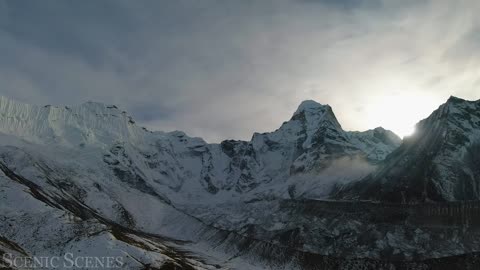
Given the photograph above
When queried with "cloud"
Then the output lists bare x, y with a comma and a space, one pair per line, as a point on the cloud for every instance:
319, 186
224, 69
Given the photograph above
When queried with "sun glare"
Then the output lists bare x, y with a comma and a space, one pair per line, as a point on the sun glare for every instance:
400, 112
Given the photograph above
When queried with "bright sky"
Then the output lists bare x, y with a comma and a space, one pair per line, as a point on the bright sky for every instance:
225, 69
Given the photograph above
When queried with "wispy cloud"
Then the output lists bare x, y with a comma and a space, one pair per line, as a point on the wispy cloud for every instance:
224, 69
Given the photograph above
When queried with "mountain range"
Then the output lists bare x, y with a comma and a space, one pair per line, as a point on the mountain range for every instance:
88, 180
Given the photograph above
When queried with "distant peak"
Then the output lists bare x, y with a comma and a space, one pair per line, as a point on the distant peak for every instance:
453, 99
309, 105
457, 100
454, 104
383, 130
379, 129
314, 113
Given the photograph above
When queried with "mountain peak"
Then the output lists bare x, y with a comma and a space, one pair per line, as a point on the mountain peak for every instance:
454, 108
379, 129
313, 113
89, 122
456, 101
309, 105
453, 99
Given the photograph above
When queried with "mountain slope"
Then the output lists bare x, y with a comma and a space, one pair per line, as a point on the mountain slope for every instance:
92, 166
87, 179
440, 162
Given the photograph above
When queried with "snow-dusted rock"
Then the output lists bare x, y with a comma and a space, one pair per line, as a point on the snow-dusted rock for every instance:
238, 204
440, 162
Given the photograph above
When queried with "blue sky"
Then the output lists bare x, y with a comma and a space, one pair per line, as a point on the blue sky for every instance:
225, 69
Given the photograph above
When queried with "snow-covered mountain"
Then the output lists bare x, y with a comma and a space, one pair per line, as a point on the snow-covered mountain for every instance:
87, 179
440, 162
309, 143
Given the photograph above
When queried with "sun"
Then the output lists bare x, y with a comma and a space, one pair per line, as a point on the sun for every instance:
401, 111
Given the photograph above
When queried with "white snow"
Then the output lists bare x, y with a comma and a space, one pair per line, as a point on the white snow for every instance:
96, 154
